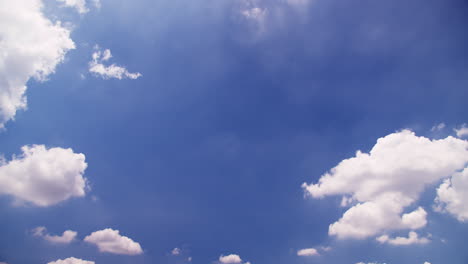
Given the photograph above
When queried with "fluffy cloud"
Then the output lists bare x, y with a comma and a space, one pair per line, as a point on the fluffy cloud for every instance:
109, 240
384, 182
230, 259
452, 196
31, 47
412, 239
67, 237
462, 131
71, 261
307, 252
42, 176
97, 67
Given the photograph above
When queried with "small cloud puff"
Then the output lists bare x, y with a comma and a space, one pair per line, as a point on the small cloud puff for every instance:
176, 251
110, 241
67, 237
307, 252
231, 259
71, 260
438, 127
97, 67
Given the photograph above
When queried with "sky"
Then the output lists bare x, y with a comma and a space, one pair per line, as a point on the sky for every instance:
233, 132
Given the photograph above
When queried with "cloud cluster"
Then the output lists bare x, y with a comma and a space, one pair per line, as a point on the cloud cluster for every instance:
381, 184
412, 239
109, 240
32, 46
67, 237
42, 176
71, 261
97, 67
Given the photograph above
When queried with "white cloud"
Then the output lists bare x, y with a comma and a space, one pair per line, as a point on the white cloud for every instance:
31, 47
412, 239
462, 131
67, 237
438, 127
97, 67
307, 252
79, 5
71, 261
175, 251
427, 262
42, 176
452, 196
230, 259
109, 240
388, 179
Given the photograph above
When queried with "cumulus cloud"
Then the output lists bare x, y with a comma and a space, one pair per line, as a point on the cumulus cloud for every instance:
67, 237
79, 5
230, 259
452, 196
31, 47
42, 176
306, 252
462, 131
109, 240
387, 180
97, 67
412, 239
427, 262
71, 260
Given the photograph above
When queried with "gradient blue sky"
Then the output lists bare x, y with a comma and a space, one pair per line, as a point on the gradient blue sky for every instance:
207, 151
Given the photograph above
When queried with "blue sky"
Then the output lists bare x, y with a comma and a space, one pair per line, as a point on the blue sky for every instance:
239, 103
